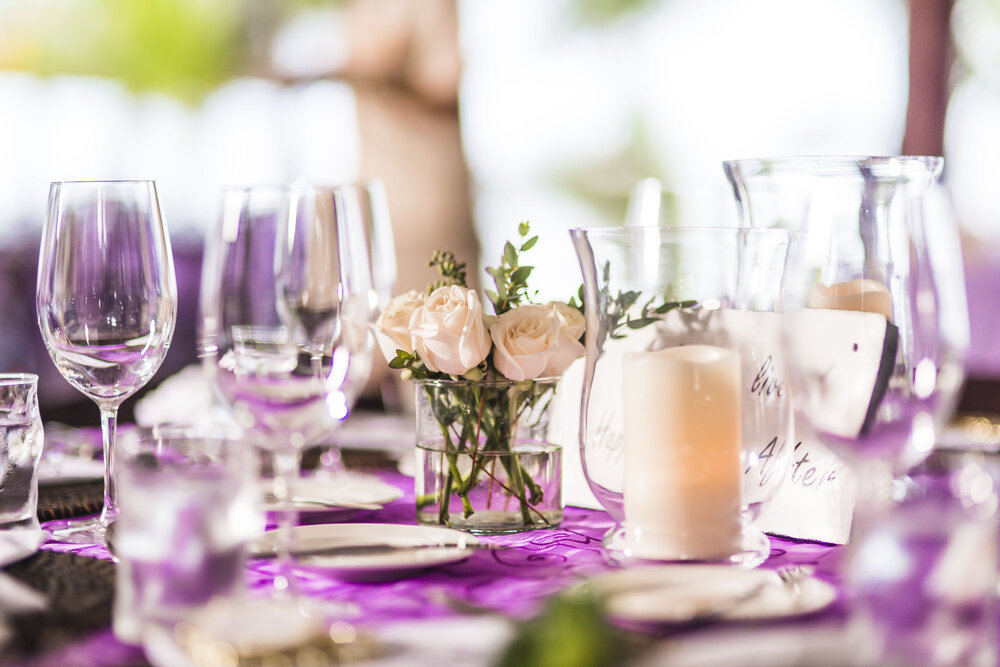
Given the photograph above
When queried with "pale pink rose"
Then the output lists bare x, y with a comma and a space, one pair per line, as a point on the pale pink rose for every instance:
525, 337
571, 327
392, 329
448, 330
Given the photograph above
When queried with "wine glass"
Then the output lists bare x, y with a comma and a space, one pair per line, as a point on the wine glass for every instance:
367, 201
877, 325
374, 206
107, 304
284, 310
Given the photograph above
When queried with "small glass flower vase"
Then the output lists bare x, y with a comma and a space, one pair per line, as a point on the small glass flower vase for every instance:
484, 461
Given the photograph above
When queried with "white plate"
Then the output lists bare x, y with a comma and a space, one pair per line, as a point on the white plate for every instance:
373, 567
683, 593
69, 470
340, 491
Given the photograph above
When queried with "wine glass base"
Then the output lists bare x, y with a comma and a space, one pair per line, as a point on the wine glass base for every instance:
79, 531
755, 549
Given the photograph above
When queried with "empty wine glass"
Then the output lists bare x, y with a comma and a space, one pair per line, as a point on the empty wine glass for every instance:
284, 306
378, 236
107, 304
366, 205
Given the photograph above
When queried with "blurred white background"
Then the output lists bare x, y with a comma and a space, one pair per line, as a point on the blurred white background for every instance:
480, 115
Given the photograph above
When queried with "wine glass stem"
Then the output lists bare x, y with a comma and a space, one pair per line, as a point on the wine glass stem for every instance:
109, 428
286, 472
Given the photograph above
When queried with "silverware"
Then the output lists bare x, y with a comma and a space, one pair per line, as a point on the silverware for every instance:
789, 577
381, 548
728, 606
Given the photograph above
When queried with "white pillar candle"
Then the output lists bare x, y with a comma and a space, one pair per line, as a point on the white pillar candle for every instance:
682, 453
862, 294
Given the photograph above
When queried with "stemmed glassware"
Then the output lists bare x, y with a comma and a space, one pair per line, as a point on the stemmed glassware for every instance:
107, 304
284, 316
374, 207
368, 203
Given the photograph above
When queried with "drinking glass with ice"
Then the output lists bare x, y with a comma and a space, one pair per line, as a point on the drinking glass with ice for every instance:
190, 508
21, 442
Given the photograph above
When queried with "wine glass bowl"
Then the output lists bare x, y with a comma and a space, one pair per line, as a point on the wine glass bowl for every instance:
106, 303
265, 344
369, 201
366, 204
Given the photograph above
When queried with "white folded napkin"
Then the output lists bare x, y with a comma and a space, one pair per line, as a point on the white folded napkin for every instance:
16, 544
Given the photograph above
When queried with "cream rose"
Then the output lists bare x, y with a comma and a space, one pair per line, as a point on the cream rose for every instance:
530, 342
523, 337
392, 329
448, 330
571, 327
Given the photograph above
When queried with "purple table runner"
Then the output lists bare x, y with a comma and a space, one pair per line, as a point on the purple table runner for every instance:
514, 581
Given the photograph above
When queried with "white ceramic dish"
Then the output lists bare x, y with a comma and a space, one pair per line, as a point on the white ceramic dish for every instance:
673, 594
69, 470
339, 492
378, 566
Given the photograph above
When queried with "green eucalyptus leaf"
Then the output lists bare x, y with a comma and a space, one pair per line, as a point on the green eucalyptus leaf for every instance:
640, 322
628, 299
510, 254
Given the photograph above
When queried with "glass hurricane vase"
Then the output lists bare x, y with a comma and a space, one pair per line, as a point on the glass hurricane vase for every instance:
485, 463
685, 425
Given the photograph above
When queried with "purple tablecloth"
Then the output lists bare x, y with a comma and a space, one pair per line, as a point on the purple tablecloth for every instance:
512, 581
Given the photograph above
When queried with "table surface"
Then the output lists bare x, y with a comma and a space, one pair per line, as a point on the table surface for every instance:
463, 613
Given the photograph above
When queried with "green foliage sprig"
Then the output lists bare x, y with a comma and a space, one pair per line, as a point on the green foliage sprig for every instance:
619, 317
452, 271
510, 278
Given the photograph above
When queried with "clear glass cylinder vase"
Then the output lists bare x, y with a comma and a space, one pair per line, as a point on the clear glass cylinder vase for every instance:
485, 463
